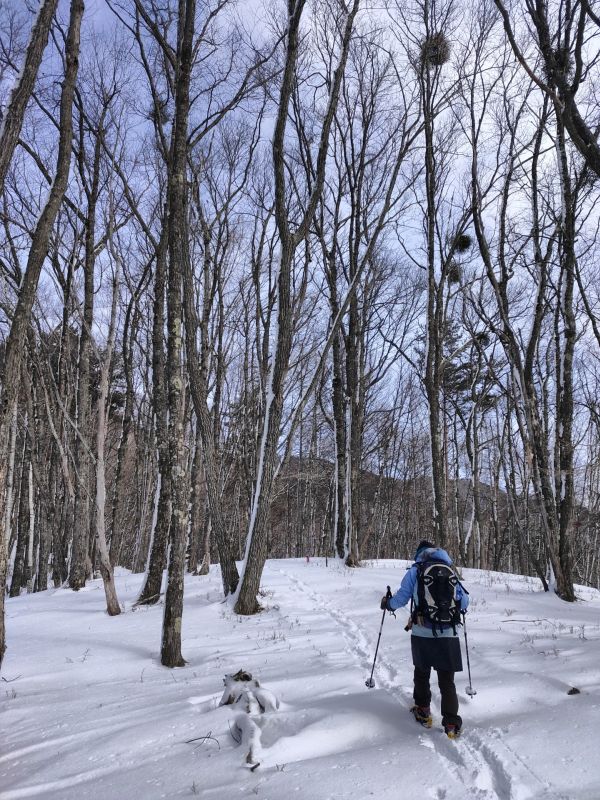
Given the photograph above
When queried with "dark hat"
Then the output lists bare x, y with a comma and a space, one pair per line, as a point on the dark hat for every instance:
423, 545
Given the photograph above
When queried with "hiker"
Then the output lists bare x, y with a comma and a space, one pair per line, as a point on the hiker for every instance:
437, 601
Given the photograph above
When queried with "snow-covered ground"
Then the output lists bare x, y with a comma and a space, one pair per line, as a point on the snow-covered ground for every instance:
88, 712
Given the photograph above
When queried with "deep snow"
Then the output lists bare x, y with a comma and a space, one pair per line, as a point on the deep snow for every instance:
88, 712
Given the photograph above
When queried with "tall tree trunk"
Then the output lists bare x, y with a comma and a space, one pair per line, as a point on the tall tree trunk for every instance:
37, 255
157, 558
522, 365
355, 390
208, 425
434, 321
83, 505
106, 567
565, 319
116, 520
32, 534
178, 255
341, 512
256, 540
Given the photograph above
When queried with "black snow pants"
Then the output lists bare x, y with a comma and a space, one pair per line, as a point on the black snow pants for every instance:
422, 693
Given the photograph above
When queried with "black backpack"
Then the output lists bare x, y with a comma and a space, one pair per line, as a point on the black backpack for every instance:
437, 603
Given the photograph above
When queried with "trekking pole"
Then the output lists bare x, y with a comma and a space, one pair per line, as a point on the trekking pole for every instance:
370, 683
469, 690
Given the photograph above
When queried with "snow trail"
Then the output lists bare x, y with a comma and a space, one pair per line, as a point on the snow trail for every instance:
494, 771
89, 713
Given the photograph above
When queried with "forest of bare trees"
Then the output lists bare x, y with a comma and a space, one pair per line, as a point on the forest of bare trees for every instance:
296, 279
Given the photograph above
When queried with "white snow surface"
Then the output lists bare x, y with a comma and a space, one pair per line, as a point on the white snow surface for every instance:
87, 711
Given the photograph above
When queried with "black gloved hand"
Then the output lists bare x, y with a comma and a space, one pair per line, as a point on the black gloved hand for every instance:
384, 603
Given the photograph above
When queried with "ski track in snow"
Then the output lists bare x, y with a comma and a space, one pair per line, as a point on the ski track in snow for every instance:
486, 764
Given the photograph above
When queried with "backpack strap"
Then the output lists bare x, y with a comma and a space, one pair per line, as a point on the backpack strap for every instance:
415, 614
421, 566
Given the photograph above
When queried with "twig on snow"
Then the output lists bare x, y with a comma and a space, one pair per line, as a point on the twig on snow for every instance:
236, 739
206, 738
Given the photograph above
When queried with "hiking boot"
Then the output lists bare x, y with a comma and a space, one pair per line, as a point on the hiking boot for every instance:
452, 731
423, 715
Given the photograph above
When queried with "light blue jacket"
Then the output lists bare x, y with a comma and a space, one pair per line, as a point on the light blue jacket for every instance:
408, 589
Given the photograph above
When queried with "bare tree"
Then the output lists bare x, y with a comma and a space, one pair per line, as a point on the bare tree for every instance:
521, 352
106, 568
565, 61
289, 241
364, 196
12, 118
177, 200
36, 258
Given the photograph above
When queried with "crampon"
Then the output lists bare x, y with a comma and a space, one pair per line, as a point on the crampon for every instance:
423, 715
452, 731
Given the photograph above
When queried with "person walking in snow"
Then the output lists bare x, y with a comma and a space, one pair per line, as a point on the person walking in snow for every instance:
437, 600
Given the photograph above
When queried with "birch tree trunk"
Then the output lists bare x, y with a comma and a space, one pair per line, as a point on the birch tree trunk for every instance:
106, 568
83, 505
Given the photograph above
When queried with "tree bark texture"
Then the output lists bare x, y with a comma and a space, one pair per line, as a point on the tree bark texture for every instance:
178, 255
